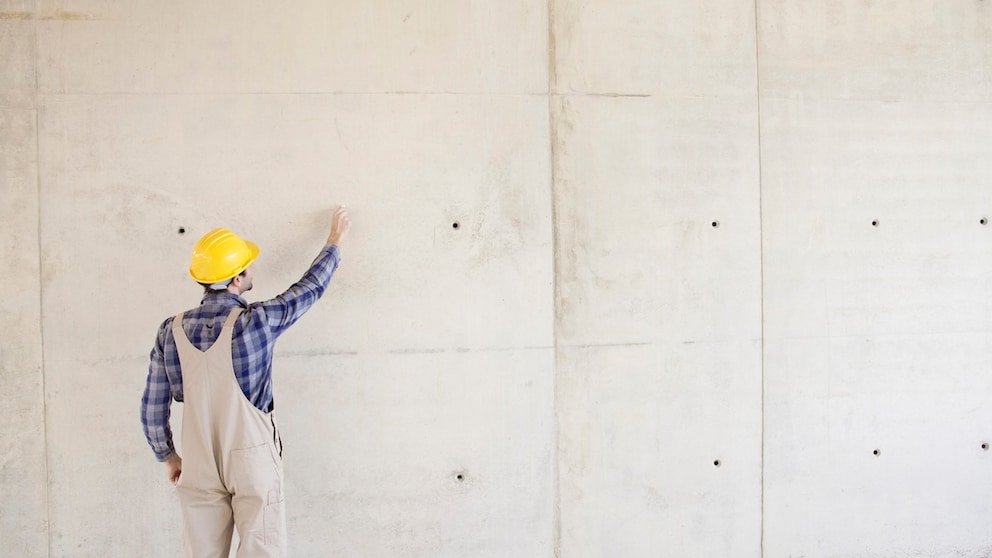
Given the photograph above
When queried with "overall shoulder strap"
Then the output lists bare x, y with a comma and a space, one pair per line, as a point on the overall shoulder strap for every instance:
228, 330
177, 330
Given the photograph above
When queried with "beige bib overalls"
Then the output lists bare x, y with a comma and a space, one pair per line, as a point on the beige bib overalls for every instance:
232, 468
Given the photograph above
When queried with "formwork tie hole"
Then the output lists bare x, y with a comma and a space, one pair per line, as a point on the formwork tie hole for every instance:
182, 230
876, 453
455, 225
985, 446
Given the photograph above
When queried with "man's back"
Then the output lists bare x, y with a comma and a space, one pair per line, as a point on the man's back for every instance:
254, 336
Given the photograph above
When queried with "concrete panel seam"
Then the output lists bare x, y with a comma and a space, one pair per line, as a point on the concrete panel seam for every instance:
34, 103
427, 351
41, 322
632, 95
877, 100
612, 94
552, 50
70, 94
57, 15
555, 293
41, 289
761, 271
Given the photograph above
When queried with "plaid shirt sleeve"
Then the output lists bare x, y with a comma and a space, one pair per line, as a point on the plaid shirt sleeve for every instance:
285, 309
156, 401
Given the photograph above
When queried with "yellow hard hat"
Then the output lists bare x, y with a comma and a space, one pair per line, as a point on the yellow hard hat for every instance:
220, 255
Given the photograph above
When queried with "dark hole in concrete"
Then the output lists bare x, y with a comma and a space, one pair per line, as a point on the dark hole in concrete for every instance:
715, 224
455, 225
874, 223
182, 230
984, 221
716, 463
985, 446
460, 477
876, 452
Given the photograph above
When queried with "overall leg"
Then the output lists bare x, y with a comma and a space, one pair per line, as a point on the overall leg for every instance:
258, 503
208, 523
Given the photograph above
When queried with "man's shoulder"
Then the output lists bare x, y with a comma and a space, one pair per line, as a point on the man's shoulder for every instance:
166, 324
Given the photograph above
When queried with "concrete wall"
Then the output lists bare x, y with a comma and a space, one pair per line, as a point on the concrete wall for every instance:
711, 257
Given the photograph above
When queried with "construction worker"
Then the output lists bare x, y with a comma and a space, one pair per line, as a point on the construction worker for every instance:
217, 359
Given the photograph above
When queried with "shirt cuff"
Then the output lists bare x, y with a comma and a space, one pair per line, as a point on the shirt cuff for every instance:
166, 457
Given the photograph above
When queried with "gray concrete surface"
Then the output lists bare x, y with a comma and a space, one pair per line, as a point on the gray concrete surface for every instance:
710, 257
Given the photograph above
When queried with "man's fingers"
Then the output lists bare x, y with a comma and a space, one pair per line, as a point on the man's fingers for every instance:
341, 220
340, 223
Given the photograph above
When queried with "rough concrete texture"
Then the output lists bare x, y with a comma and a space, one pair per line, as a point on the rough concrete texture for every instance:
876, 336
23, 489
710, 256
876, 190
659, 326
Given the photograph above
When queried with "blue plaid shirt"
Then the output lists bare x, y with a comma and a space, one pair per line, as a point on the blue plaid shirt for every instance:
255, 334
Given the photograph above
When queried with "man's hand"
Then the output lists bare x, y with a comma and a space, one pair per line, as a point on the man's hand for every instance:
174, 468
340, 225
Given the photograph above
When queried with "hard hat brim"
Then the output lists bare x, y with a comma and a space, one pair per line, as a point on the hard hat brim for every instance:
254, 252
253, 248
